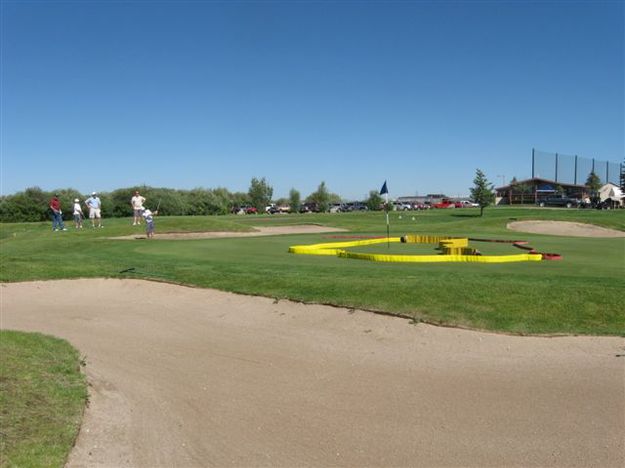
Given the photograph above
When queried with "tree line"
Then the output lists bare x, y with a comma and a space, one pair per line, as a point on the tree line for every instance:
32, 204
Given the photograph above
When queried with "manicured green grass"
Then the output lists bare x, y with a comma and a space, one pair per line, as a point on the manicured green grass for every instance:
42, 396
580, 294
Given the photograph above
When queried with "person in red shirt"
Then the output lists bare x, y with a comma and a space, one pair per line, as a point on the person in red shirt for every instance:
57, 214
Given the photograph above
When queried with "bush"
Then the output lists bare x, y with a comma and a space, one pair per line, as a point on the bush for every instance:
32, 205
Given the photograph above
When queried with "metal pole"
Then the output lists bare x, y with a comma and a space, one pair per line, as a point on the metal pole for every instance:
532, 163
607, 172
388, 242
556, 167
575, 178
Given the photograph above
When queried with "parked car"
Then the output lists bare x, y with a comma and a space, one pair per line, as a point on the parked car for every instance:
559, 200
309, 208
469, 204
243, 210
444, 204
402, 206
336, 207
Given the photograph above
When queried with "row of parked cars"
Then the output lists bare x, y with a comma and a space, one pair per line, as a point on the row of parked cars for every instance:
572, 202
444, 203
354, 206
274, 209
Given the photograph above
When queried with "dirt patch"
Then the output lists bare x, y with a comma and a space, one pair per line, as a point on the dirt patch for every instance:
258, 231
193, 377
564, 228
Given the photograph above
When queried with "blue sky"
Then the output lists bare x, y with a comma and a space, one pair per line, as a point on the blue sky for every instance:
100, 95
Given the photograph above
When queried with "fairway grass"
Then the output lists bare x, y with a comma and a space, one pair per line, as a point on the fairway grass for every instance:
42, 397
580, 294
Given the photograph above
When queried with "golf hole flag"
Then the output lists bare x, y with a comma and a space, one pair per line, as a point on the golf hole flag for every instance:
384, 189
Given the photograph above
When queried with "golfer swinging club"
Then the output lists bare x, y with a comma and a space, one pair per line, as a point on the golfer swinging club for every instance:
149, 221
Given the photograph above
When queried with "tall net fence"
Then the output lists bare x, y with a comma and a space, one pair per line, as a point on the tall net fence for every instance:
573, 169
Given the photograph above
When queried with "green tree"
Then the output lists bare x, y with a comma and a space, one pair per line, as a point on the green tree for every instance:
482, 191
374, 201
321, 198
201, 201
238, 199
295, 200
334, 198
593, 182
29, 205
260, 194
221, 197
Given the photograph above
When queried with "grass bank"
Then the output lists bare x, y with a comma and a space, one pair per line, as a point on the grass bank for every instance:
42, 397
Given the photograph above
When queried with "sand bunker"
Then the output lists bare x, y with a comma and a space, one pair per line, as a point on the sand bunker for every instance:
194, 377
258, 231
564, 228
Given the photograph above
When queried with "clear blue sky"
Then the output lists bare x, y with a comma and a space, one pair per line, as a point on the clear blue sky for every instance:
99, 95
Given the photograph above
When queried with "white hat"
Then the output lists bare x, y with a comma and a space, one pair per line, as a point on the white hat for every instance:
93, 193
76, 200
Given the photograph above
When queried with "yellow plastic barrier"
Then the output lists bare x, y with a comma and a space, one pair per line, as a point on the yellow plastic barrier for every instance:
332, 248
454, 249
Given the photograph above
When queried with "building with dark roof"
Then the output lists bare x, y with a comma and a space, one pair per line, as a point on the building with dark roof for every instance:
535, 189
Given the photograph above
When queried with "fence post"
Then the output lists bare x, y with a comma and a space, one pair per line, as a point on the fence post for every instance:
556, 167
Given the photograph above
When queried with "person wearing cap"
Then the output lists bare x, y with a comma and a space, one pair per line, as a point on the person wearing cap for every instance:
137, 207
95, 214
78, 214
149, 221
57, 214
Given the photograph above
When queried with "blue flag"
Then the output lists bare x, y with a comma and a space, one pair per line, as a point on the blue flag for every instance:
384, 189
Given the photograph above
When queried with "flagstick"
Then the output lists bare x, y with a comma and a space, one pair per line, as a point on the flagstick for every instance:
388, 242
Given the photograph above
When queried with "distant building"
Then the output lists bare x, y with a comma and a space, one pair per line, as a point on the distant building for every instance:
612, 195
533, 190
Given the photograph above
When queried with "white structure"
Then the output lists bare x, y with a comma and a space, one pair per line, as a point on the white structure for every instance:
612, 192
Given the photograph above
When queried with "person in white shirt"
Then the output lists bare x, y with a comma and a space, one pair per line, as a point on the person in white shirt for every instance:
95, 214
78, 214
137, 207
149, 222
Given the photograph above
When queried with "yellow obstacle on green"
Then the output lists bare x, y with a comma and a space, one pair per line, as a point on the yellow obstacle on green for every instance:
453, 249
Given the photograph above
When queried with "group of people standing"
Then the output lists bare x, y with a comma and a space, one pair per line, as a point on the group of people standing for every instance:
95, 212
94, 204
